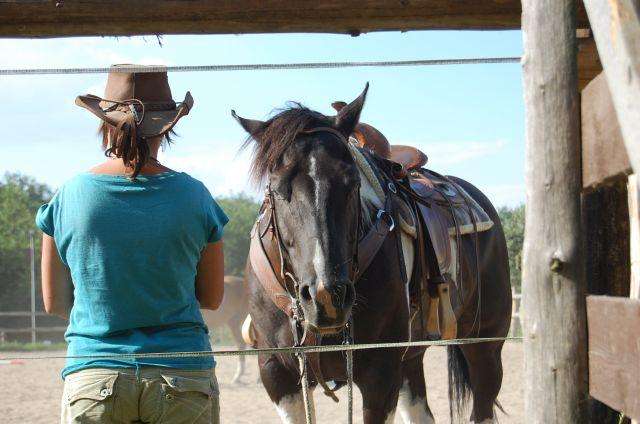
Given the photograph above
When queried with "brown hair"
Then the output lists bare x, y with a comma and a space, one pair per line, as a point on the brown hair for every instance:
128, 145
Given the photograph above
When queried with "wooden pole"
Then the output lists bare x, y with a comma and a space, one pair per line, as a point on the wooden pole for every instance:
554, 321
633, 193
33, 285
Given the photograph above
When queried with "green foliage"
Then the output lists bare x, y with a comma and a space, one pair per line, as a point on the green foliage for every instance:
31, 347
513, 224
20, 197
242, 211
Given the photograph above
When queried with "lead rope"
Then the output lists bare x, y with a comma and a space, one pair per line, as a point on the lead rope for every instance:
348, 339
302, 361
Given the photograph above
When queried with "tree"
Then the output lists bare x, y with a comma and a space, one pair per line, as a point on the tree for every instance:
20, 198
242, 211
513, 225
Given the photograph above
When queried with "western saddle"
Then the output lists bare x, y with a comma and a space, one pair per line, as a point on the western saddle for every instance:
444, 212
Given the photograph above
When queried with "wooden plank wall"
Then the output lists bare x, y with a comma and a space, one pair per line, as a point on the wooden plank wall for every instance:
614, 352
589, 65
604, 157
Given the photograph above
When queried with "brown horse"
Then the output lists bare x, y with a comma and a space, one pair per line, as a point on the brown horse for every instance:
320, 208
232, 313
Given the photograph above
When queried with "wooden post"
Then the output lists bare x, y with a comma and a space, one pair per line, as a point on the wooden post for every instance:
33, 285
554, 318
633, 193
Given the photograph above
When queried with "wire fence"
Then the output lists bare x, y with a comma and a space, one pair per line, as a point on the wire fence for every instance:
262, 66
270, 351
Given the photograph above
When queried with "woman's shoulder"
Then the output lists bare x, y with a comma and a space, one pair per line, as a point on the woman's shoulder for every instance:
71, 183
195, 183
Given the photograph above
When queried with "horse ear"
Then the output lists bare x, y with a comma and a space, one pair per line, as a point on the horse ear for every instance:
349, 115
338, 105
252, 126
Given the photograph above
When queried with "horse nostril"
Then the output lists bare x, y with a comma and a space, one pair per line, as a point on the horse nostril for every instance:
305, 293
343, 295
338, 296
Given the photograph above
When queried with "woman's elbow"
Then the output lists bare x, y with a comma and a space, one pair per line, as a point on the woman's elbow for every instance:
213, 300
211, 304
49, 308
53, 307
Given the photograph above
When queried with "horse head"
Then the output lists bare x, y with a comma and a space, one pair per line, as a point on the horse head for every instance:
303, 157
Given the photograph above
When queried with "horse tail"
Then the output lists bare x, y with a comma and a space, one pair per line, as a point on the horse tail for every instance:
459, 382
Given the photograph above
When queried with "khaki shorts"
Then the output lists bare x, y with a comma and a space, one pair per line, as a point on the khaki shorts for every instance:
150, 395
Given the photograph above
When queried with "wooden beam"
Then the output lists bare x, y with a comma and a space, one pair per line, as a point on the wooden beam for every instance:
604, 157
555, 351
614, 352
47, 18
616, 29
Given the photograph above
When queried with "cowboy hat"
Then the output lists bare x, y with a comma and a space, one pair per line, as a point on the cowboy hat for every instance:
140, 97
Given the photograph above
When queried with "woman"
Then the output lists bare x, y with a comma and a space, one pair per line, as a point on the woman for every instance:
143, 247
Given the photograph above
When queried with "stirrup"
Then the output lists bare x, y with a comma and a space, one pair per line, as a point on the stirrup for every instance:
433, 326
446, 318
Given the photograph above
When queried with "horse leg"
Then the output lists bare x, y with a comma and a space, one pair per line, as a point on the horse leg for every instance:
485, 378
379, 380
282, 387
412, 401
235, 325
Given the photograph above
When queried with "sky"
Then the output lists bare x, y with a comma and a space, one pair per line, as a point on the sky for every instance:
469, 119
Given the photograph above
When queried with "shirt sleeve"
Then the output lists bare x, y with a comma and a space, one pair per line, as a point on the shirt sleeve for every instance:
216, 218
45, 217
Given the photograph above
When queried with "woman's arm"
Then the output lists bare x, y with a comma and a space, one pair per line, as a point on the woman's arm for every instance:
210, 277
57, 290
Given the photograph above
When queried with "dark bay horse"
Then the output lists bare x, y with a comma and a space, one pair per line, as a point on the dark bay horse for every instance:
321, 203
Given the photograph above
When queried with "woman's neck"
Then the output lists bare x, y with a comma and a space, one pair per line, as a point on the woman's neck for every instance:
116, 166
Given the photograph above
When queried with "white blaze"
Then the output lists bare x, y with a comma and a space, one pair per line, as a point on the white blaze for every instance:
319, 260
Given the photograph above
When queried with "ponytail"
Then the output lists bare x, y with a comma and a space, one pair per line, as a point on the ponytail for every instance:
126, 144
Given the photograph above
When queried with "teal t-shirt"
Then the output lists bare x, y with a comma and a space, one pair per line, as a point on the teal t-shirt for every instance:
132, 248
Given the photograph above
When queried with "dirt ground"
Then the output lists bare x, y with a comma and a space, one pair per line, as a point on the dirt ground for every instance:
30, 391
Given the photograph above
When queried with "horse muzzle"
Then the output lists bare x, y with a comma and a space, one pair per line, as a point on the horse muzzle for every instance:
327, 307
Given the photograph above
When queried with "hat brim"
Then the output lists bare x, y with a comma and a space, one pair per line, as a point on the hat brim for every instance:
154, 123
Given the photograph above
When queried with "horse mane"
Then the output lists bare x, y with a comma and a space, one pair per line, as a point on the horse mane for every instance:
277, 134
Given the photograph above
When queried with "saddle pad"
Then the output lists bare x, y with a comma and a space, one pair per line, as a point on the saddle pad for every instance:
371, 192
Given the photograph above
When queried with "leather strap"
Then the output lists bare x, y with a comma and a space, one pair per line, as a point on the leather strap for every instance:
371, 243
266, 275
